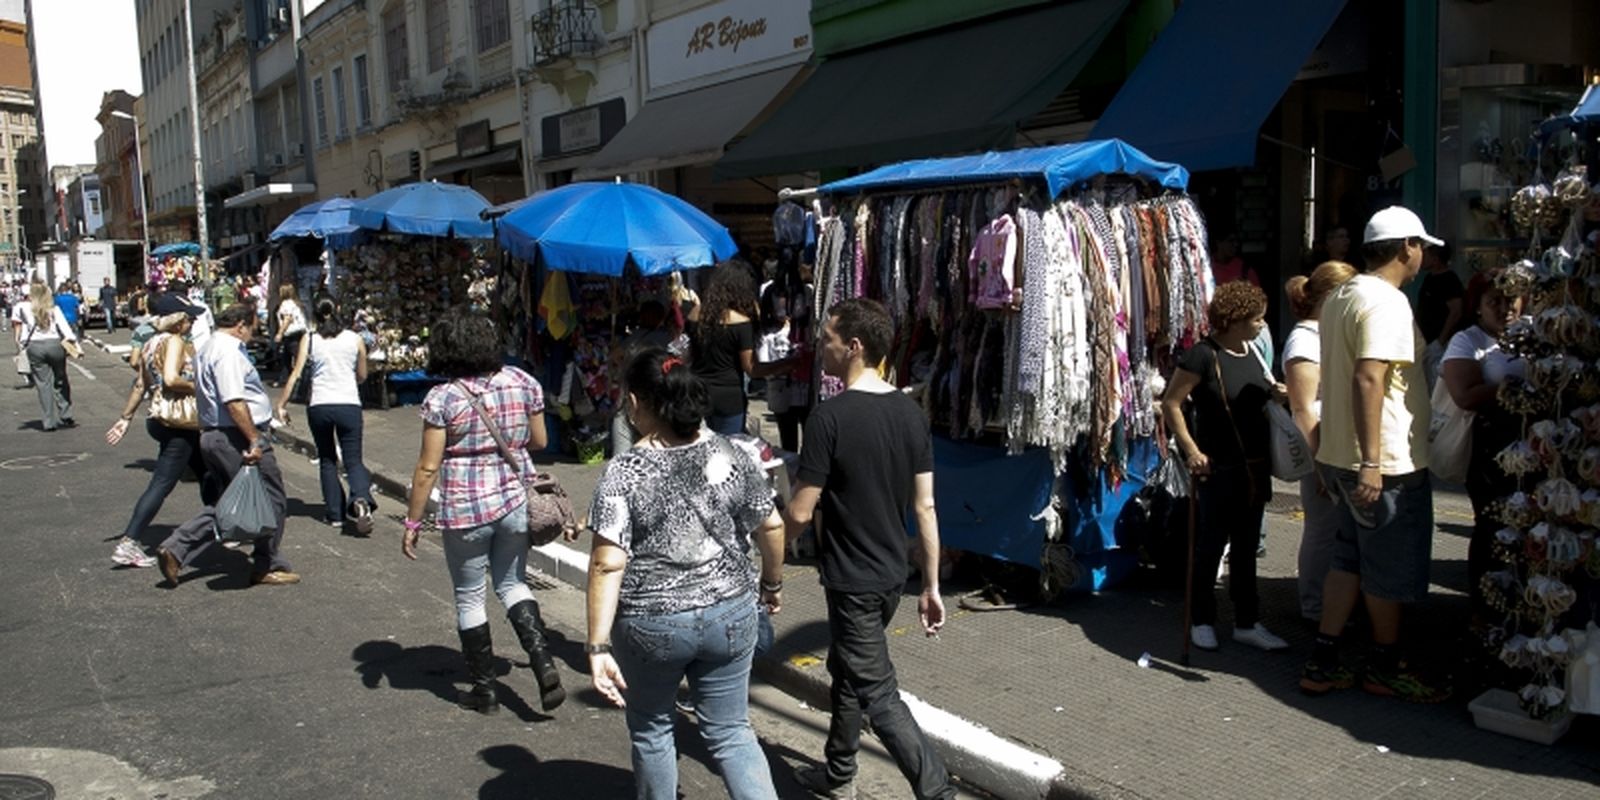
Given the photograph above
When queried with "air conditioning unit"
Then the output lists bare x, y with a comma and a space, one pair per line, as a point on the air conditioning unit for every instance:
298, 150
249, 179
276, 160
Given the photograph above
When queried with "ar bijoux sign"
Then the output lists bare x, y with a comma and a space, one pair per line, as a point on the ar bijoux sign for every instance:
726, 36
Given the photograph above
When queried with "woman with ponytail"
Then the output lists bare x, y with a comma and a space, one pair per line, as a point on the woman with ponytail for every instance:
1302, 374
671, 585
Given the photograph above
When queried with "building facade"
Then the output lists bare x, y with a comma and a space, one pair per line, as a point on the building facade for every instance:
117, 165
23, 200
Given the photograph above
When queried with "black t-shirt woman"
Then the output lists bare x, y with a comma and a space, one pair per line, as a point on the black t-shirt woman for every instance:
1226, 443
722, 339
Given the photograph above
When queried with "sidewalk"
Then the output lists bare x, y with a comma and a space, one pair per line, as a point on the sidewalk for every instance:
1050, 701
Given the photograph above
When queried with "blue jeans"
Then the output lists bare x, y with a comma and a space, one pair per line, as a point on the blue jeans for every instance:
726, 424
713, 647
497, 551
341, 423
180, 450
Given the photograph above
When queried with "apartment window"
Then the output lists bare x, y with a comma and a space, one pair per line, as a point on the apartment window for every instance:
492, 22
340, 116
437, 19
397, 67
322, 110
363, 94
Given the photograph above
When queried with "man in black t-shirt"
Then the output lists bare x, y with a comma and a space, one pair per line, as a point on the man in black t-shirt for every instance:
1438, 307
867, 459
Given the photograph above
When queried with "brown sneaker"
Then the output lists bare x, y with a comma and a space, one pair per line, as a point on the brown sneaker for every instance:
277, 577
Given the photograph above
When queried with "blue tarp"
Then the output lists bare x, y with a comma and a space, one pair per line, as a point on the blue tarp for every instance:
1586, 112
986, 499
425, 209
1059, 166
1199, 96
325, 219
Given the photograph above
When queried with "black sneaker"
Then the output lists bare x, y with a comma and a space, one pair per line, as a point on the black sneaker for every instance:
815, 780
1316, 679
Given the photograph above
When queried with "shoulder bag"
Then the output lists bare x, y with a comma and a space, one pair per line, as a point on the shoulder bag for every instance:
172, 409
549, 508
1449, 436
20, 361
1292, 458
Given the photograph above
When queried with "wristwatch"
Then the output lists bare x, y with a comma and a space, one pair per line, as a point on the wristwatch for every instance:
597, 649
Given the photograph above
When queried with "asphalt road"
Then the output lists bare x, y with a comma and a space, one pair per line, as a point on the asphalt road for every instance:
342, 686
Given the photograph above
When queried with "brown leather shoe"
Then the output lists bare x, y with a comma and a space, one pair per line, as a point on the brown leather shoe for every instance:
169, 565
277, 577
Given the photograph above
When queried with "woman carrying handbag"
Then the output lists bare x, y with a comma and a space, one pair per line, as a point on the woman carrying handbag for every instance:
483, 511
1227, 451
48, 339
164, 371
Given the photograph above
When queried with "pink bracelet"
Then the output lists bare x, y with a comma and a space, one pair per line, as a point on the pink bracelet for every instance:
412, 525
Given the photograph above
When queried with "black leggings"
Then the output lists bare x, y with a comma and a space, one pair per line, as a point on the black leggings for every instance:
179, 450
1229, 516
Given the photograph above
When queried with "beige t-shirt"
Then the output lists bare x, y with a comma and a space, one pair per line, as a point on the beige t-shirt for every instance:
1367, 318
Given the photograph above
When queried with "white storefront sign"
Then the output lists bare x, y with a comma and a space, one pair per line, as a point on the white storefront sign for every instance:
726, 36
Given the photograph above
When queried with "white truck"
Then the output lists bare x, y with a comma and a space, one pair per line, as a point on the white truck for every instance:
92, 262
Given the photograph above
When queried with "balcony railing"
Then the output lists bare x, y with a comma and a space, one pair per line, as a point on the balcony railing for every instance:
567, 28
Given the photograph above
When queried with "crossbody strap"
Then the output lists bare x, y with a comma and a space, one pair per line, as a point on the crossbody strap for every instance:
1222, 386
494, 430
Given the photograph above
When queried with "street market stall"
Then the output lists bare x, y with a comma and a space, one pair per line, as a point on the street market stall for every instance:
178, 261
1039, 297
417, 254
589, 252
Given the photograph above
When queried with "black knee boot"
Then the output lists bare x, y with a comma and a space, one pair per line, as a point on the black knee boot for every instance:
525, 619
478, 649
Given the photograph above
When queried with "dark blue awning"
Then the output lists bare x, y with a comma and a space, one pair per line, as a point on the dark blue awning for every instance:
1059, 166
1199, 96
1585, 113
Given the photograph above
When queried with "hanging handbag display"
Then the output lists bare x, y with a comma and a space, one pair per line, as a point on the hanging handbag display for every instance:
549, 508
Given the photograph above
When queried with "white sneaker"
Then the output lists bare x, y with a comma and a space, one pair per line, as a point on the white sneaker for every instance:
129, 554
1203, 637
1260, 637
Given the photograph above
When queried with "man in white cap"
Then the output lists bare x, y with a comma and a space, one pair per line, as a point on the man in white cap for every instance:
1373, 456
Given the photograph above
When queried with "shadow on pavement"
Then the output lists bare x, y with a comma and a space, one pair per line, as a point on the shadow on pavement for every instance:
525, 775
435, 669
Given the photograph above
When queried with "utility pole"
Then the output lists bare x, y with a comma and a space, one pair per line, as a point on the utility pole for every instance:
194, 131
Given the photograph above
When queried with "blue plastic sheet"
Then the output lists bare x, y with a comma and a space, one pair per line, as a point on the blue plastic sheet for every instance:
425, 209
176, 249
1586, 112
986, 499
598, 227
1059, 166
325, 219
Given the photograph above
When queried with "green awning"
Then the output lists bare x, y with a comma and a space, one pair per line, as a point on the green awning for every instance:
958, 90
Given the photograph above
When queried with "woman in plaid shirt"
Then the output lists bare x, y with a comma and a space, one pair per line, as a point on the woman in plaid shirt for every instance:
482, 513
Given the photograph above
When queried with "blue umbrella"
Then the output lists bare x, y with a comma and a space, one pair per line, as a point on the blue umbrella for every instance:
597, 227
425, 209
324, 219
177, 249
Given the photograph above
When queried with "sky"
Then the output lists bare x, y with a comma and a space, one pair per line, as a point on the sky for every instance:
86, 48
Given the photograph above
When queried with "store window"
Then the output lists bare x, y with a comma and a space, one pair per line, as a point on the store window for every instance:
363, 93
492, 21
397, 67
437, 20
340, 115
321, 110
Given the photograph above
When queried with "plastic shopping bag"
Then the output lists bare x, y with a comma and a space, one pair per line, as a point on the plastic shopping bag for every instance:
245, 513
1449, 437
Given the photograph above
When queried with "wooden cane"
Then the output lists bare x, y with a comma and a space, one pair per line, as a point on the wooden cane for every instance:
1188, 579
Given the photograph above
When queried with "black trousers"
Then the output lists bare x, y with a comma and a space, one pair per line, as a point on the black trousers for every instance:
864, 688
180, 450
1230, 516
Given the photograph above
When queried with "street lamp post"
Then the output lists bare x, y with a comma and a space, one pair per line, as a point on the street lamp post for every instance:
138, 166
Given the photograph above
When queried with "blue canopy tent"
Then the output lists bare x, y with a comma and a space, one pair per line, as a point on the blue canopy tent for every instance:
992, 501
599, 227
328, 220
425, 209
1058, 166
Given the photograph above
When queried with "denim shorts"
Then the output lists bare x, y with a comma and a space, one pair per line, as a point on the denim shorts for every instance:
1389, 543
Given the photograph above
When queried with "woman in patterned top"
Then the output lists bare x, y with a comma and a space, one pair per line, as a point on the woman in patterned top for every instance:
482, 512
671, 577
